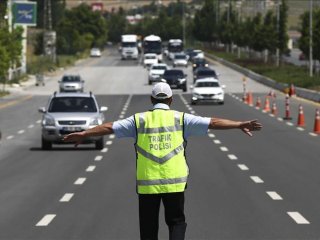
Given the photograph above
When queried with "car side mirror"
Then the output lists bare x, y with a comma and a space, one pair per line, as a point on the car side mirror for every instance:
42, 110
103, 109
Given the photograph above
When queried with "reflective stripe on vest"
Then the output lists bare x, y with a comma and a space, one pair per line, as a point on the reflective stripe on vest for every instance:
161, 164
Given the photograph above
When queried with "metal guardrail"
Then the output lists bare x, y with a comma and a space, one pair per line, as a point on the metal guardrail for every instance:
300, 92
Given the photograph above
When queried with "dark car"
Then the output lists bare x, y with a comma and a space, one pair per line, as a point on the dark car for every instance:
199, 62
204, 72
176, 79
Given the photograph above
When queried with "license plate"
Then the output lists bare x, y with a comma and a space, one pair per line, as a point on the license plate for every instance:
72, 129
173, 85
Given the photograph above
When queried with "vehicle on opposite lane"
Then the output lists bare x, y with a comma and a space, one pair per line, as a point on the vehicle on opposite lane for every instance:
70, 112
71, 83
207, 90
156, 71
204, 72
176, 78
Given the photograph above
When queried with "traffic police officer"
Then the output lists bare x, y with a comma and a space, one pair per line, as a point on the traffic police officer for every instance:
162, 170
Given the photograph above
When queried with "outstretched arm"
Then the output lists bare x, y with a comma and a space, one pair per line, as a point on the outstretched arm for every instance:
245, 126
100, 130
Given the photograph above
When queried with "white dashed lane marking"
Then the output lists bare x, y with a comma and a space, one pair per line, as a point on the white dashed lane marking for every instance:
211, 135
10, 137
112, 136
98, 158
104, 150
31, 126
67, 197
274, 195
108, 142
224, 149
80, 181
289, 124
90, 168
38, 121
243, 167
232, 157
298, 218
256, 179
21, 131
46, 220
216, 141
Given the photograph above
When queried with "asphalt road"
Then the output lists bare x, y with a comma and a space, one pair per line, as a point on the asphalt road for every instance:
264, 187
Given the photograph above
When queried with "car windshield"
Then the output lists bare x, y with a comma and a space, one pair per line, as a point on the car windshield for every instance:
159, 67
180, 56
71, 79
207, 84
72, 104
199, 61
173, 73
150, 57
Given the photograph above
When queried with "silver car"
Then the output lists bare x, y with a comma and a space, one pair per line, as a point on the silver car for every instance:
71, 83
67, 113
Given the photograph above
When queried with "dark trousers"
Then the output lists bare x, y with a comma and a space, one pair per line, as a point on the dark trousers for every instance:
149, 206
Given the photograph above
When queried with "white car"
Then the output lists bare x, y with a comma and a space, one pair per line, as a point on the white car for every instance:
150, 59
156, 71
207, 90
95, 52
180, 59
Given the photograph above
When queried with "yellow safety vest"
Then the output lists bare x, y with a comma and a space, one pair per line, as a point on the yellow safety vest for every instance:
160, 148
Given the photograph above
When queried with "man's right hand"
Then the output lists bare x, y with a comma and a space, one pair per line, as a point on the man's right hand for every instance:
76, 137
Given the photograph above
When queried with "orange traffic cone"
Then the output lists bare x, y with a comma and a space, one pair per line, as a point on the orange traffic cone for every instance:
274, 110
301, 122
266, 105
292, 91
272, 94
249, 99
258, 103
287, 116
316, 128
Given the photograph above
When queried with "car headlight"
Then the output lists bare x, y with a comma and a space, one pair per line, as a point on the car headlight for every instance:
182, 80
48, 121
95, 121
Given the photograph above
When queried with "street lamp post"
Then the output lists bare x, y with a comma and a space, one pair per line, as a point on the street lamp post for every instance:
278, 33
183, 24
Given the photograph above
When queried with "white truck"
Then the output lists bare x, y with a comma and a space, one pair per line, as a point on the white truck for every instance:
129, 46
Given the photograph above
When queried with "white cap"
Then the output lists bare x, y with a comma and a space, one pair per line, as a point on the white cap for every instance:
161, 91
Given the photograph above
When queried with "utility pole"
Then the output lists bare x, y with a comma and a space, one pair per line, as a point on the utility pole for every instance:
310, 38
278, 34
184, 24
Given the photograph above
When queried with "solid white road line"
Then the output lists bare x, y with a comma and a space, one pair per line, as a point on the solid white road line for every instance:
91, 168
46, 220
232, 157
104, 150
224, 149
80, 181
31, 126
243, 167
109, 142
98, 158
10, 137
216, 141
274, 195
67, 197
298, 218
256, 179
112, 136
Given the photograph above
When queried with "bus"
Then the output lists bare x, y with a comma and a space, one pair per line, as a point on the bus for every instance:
153, 44
174, 46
